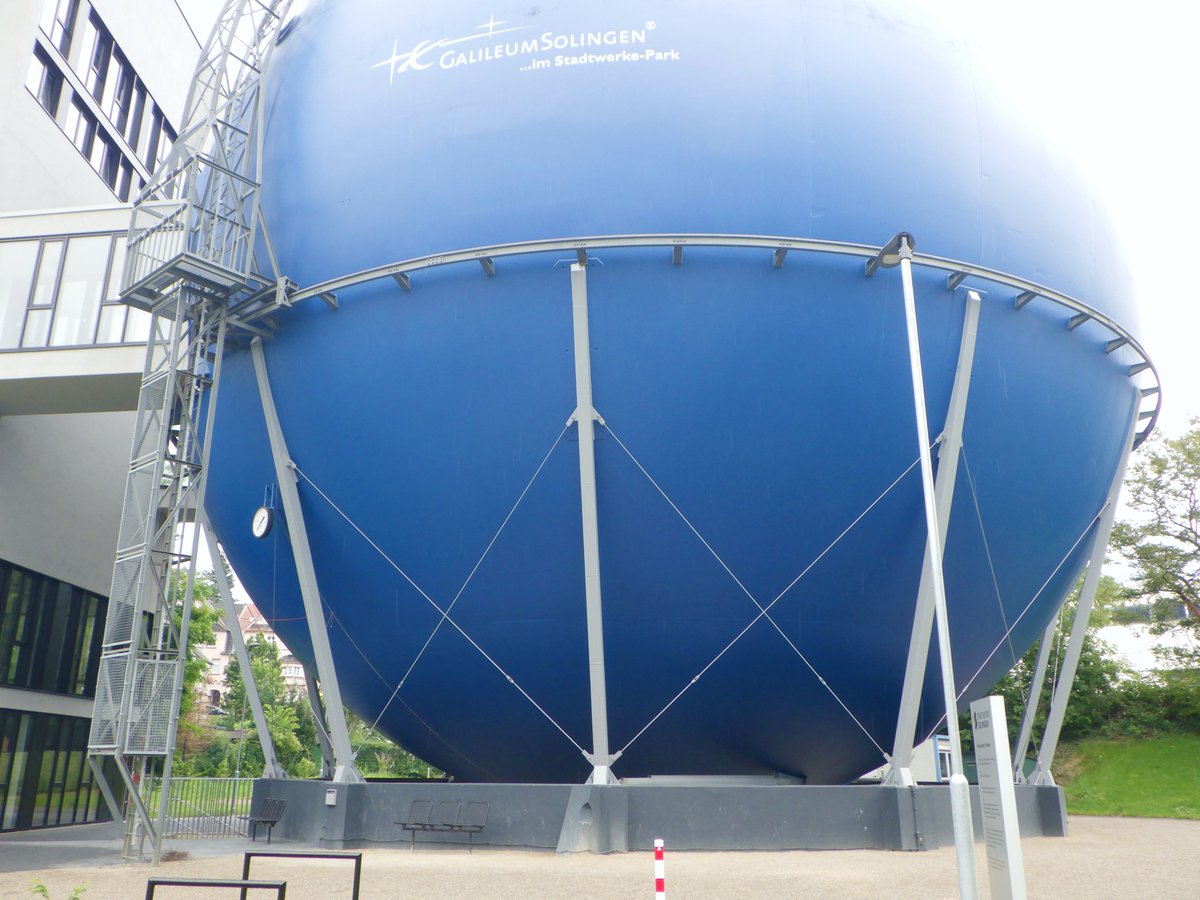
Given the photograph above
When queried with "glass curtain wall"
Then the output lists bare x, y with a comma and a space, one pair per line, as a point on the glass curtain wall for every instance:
17, 261
44, 776
50, 633
64, 291
50, 637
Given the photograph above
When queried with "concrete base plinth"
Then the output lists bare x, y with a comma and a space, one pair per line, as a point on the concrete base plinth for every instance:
616, 818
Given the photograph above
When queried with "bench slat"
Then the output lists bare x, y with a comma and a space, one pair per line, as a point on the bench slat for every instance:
269, 815
449, 816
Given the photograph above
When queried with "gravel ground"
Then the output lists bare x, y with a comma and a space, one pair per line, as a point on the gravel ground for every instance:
1119, 858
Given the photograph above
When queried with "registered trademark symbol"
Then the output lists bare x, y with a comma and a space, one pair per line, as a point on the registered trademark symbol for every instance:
650, 26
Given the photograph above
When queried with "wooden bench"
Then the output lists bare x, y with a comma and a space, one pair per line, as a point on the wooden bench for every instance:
269, 815
448, 815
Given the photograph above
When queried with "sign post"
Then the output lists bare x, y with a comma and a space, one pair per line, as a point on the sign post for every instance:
998, 800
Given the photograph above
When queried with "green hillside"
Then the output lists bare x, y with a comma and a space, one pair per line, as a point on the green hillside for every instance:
1149, 777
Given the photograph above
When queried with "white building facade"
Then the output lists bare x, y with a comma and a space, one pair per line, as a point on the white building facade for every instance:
89, 92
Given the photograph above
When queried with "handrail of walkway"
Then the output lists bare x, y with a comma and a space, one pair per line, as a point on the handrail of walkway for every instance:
957, 271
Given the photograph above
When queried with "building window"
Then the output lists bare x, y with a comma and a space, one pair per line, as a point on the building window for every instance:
50, 633
58, 22
119, 105
17, 262
161, 138
65, 292
44, 81
133, 129
86, 654
80, 290
113, 312
80, 127
108, 166
44, 776
15, 628
37, 321
83, 80
125, 181
942, 745
98, 51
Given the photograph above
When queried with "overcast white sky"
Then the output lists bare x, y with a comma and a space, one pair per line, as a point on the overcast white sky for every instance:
1116, 85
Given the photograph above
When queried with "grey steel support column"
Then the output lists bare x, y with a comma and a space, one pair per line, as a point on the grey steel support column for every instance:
585, 418
98, 779
141, 814
199, 475
1062, 693
1033, 700
343, 755
960, 798
318, 711
900, 771
272, 769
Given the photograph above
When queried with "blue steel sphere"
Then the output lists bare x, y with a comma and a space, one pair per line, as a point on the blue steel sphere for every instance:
758, 447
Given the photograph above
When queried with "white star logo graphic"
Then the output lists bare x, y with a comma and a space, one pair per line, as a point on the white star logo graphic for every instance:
491, 24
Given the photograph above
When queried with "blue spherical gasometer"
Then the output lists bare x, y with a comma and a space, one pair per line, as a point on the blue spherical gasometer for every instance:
758, 443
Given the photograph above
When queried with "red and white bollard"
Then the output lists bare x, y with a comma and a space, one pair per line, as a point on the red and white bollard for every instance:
660, 876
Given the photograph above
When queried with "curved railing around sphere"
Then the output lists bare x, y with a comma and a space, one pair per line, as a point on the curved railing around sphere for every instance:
957, 271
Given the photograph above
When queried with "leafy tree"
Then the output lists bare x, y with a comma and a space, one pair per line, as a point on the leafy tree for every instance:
1162, 544
288, 716
268, 676
200, 629
1096, 696
377, 755
236, 749
1111, 605
1162, 548
194, 732
1095, 692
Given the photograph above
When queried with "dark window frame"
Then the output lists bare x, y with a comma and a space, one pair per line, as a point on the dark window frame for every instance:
44, 624
105, 73
63, 26
54, 749
50, 82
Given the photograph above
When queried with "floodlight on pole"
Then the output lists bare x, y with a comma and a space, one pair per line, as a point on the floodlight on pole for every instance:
889, 255
899, 252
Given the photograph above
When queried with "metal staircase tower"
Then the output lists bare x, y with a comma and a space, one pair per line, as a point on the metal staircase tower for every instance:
192, 264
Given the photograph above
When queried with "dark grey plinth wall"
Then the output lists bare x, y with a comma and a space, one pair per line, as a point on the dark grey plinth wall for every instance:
573, 818
364, 815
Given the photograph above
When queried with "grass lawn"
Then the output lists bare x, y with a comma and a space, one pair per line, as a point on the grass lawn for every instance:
1151, 777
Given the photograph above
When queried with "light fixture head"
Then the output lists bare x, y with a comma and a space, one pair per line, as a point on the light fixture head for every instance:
902, 245
889, 255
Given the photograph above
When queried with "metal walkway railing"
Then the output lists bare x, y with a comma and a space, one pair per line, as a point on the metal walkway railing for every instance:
957, 273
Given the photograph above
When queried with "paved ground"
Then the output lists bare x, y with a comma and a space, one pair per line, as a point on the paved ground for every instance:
1118, 858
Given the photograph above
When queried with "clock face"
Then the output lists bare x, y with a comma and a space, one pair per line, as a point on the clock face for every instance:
260, 526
